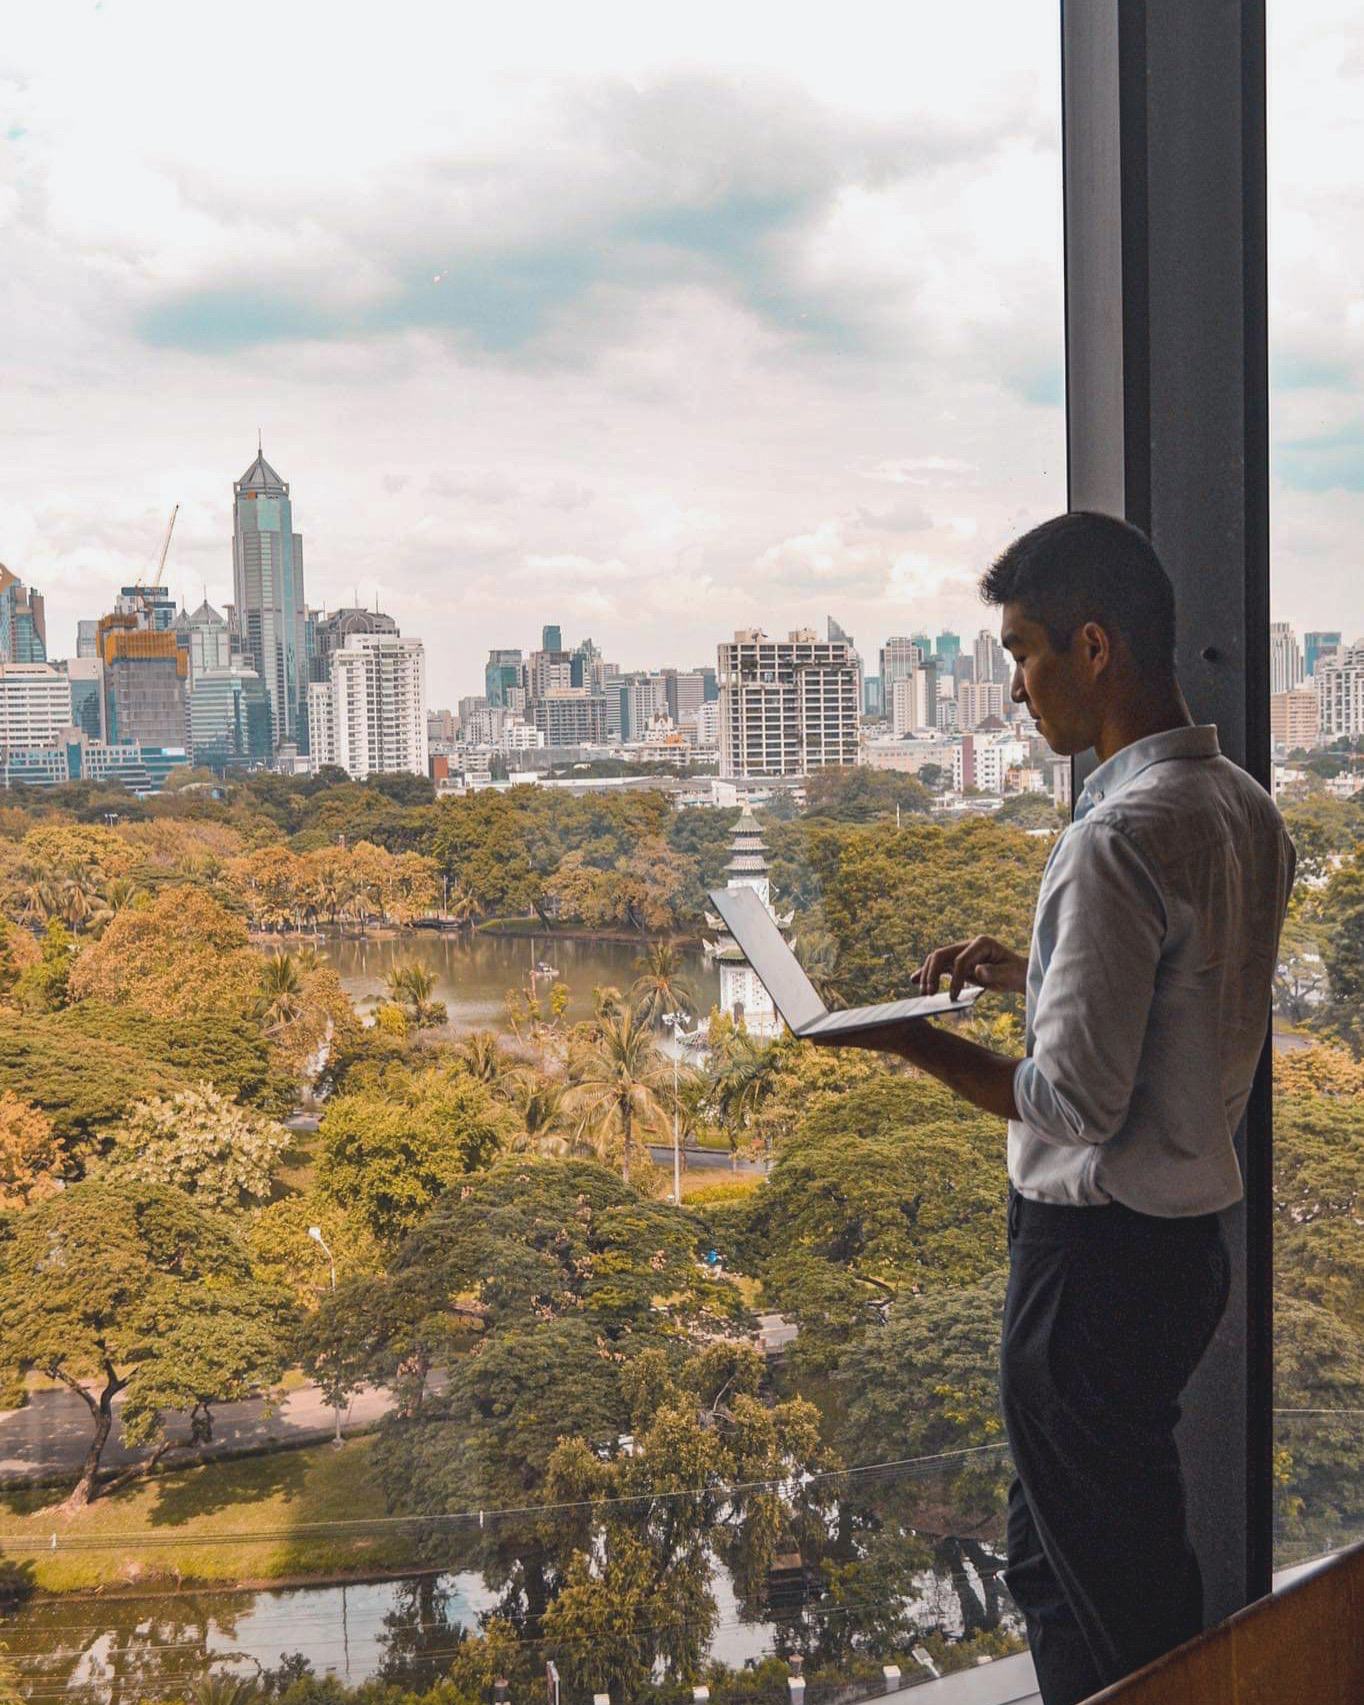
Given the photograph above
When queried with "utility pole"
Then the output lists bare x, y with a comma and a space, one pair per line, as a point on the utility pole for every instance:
315, 1232
674, 1021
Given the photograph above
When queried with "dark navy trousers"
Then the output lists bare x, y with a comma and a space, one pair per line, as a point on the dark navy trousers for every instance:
1108, 1312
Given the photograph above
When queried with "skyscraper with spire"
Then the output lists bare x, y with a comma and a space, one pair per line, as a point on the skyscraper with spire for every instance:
267, 570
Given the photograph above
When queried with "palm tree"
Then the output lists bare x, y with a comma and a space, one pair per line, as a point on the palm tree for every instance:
461, 907
742, 1074
484, 1058
280, 1002
224, 1690
411, 986
619, 1077
541, 1103
42, 892
662, 985
817, 952
78, 900
119, 893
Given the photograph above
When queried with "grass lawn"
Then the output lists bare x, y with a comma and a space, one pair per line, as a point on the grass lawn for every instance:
205, 1517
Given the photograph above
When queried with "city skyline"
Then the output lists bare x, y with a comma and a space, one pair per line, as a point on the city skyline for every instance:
676, 324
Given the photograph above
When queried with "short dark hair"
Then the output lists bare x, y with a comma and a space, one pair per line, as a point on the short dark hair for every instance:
1084, 567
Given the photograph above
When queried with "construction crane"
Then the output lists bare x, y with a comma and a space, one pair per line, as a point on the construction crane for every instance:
165, 548
144, 592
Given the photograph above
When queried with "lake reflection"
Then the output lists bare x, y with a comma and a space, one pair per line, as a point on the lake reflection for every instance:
125, 1650
474, 972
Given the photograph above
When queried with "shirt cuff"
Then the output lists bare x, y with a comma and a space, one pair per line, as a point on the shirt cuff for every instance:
1045, 1111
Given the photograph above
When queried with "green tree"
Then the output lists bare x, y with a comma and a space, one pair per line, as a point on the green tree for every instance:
1319, 1455
224, 1049
142, 1292
525, 1241
620, 1080
44, 987
1341, 913
662, 985
84, 1089
411, 985
223, 1155
890, 896
280, 1001
893, 1188
386, 1156
858, 794
30, 1159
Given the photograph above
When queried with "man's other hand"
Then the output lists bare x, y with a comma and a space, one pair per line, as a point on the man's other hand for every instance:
981, 960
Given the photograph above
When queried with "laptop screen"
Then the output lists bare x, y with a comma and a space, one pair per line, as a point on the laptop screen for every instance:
776, 967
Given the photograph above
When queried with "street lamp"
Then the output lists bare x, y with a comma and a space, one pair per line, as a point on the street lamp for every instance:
674, 1022
315, 1232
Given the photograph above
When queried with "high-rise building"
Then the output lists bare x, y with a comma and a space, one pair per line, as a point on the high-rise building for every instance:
683, 692
787, 706
1285, 659
977, 700
229, 717
440, 728
640, 698
898, 658
914, 700
873, 696
571, 716
503, 673
86, 675
203, 636
1340, 692
1316, 645
1294, 718
990, 658
371, 717
153, 606
835, 632
87, 644
947, 648
330, 633
267, 570
548, 671
552, 638
145, 677
23, 624
35, 705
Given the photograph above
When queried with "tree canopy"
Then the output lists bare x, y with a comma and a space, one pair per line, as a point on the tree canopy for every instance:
141, 1291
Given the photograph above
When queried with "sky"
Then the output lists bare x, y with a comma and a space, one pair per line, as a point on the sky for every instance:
651, 322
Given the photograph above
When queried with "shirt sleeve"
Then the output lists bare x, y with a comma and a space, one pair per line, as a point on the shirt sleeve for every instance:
1102, 911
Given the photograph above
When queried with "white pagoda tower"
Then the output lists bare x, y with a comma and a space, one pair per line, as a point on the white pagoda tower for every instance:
742, 996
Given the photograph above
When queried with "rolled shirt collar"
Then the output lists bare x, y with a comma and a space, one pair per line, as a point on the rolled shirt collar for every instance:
1200, 741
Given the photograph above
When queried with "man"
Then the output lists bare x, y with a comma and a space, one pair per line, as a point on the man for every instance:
1148, 997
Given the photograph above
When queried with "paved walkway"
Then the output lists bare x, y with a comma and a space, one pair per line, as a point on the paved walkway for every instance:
51, 1434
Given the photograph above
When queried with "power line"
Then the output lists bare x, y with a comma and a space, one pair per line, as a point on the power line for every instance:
366, 1524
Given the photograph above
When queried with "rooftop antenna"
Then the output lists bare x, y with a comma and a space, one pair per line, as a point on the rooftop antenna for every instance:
258, 448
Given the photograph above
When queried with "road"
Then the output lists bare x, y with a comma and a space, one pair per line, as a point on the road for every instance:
693, 1158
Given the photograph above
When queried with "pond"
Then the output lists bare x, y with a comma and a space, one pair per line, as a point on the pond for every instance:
474, 971
127, 1649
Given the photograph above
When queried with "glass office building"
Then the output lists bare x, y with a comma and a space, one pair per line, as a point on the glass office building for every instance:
267, 566
229, 718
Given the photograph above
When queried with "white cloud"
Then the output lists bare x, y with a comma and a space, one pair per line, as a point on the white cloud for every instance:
745, 314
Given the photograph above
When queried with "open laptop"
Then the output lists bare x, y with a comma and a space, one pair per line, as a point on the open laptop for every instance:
793, 994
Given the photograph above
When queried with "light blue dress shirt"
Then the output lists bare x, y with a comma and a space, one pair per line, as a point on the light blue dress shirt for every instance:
1149, 982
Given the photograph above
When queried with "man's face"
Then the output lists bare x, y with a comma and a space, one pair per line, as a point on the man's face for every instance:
1057, 686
